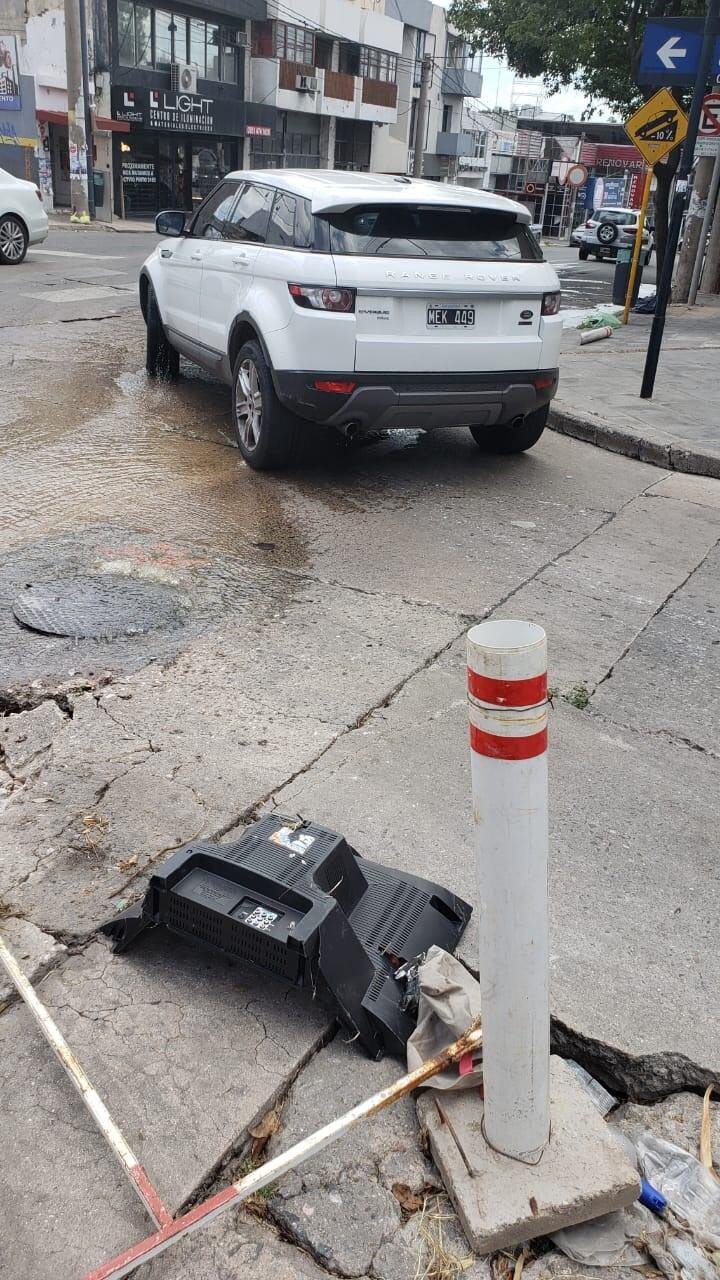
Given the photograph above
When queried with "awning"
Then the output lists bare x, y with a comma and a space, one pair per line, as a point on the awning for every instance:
101, 123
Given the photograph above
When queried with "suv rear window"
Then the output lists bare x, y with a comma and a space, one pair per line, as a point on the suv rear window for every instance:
431, 231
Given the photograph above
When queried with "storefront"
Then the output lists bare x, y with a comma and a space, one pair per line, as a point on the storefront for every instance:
178, 147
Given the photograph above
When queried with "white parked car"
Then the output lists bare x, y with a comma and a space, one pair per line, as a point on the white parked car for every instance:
607, 230
359, 302
23, 221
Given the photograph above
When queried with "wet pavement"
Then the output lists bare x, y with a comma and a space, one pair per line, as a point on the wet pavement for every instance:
313, 660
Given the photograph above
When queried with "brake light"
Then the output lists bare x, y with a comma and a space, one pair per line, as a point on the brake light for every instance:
335, 388
544, 381
322, 298
550, 304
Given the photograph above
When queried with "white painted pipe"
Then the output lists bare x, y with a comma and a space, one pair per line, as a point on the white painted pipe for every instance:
595, 335
507, 694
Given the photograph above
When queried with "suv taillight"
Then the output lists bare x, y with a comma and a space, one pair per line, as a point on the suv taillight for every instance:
322, 297
550, 304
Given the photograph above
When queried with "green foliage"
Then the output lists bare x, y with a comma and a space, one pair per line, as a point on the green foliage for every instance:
591, 45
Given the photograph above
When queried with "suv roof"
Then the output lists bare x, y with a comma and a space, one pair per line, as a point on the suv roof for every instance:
340, 189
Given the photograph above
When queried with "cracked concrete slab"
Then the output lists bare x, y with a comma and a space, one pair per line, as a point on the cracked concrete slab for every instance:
234, 1248
35, 952
156, 761
186, 1048
343, 1224
669, 681
67, 1206
594, 600
25, 737
633, 889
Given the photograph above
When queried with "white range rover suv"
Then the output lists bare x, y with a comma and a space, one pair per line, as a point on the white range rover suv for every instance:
358, 302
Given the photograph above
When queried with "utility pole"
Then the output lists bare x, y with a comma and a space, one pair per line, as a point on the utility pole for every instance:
711, 275
681, 183
421, 118
77, 109
710, 204
693, 222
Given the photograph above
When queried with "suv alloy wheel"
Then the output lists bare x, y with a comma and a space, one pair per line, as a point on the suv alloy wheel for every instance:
268, 435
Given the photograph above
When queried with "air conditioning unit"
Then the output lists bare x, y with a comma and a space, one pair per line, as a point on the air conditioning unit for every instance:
231, 36
183, 77
307, 84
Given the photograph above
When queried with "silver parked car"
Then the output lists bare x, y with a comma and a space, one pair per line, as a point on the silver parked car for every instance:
607, 230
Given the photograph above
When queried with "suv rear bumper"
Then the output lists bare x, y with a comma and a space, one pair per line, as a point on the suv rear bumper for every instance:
382, 400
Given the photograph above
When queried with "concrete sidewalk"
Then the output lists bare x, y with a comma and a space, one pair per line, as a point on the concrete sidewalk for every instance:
599, 398
61, 221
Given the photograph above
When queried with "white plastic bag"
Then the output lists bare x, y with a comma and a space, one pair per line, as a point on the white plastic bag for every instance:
691, 1192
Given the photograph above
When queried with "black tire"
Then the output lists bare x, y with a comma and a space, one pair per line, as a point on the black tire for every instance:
13, 240
161, 360
505, 438
583, 254
648, 258
268, 435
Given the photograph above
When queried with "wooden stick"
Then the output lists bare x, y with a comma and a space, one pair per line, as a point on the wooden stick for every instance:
129, 1162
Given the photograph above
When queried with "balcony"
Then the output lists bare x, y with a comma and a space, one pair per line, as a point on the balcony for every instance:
454, 144
379, 93
461, 82
287, 86
501, 164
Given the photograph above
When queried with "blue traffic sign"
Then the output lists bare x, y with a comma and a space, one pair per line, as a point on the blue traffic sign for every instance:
670, 51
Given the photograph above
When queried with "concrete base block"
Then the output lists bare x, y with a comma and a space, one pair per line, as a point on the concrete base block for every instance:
583, 1172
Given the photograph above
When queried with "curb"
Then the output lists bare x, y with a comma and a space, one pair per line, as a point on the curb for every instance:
61, 225
673, 456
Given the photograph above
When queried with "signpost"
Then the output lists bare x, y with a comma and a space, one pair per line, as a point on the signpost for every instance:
707, 61
656, 128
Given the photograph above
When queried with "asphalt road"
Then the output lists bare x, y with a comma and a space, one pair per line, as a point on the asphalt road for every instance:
587, 284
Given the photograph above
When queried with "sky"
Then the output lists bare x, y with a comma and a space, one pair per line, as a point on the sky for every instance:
501, 87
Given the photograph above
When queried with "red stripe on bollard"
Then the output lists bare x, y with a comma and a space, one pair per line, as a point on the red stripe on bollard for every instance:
501, 748
508, 693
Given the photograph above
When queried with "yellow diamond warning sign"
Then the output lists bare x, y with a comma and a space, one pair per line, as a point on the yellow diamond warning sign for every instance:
657, 127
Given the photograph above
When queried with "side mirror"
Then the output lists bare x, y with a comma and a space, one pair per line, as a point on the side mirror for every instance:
170, 223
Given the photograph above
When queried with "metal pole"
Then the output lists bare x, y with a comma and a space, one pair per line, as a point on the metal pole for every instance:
421, 118
707, 219
507, 695
543, 206
129, 1162
233, 1195
77, 138
663, 293
637, 247
88, 116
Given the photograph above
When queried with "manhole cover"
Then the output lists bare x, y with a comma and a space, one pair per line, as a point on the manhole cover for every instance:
98, 607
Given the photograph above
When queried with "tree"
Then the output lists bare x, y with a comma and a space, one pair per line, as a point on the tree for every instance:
591, 45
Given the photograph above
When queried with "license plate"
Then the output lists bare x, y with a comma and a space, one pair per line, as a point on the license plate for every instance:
462, 317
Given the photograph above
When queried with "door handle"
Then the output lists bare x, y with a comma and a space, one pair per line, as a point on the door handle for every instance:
196, 257
166, 253
240, 260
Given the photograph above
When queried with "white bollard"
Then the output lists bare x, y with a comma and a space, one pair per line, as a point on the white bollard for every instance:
507, 694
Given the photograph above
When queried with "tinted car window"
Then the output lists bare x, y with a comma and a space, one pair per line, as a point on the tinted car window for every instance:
614, 215
291, 223
211, 215
249, 218
431, 231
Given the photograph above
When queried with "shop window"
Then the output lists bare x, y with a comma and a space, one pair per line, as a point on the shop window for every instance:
376, 64
163, 38
295, 44
249, 218
323, 53
350, 59
211, 216
262, 40
134, 34
197, 45
212, 52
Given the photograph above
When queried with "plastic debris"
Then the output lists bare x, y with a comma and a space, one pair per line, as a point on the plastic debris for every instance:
601, 320
695, 1265
651, 1198
449, 997
691, 1192
603, 1100
645, 306
602, 1242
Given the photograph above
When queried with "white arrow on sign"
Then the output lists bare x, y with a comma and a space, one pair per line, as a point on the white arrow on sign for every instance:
667, 53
